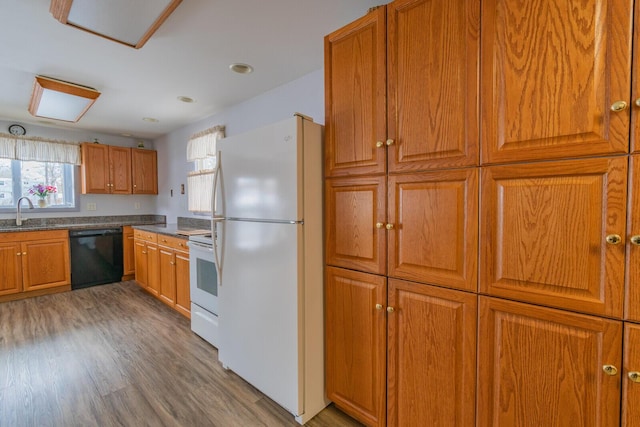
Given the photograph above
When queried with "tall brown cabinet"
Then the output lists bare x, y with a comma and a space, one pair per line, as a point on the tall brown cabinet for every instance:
482, 224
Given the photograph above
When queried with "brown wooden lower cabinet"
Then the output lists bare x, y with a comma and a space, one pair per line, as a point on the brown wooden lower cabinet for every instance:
546, 367
128, 253
162, 268
34, 263
429, 335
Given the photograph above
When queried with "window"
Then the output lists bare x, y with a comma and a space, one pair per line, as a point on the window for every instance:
17, 177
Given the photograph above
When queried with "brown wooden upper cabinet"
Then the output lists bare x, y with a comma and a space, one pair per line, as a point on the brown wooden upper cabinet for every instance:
635, 88
144, 171
432, 227
355, 97
355, 220
555, 79
552, 233
106, 169
632, 289
418, 74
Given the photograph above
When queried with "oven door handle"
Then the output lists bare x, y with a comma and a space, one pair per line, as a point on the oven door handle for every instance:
199, 246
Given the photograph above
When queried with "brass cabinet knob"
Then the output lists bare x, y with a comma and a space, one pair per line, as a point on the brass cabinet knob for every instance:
172, 263
378, 306
19, 253
618, 106
613, 239
379, 224
610, 370
24, 253
634, 376
144, 252
389, 226
379, 144
635, 240
390, 310
638, 102
390, 142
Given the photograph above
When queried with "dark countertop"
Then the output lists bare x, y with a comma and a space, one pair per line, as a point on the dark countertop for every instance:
77, 223
166, 229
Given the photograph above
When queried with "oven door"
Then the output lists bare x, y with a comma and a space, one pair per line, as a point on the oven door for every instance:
203, 277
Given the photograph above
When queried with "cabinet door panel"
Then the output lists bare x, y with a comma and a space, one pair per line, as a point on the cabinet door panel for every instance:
355, 343
631, 389
45, 264
120, 168
141, 261
544, 367
550, 71
128, 251
153, 269
355, 117
432, 356
435, 233
10, 268
183, 293
144, 171
167, 275
635, 88
95, 169
433, 83
632, 288
353, 207
544, 229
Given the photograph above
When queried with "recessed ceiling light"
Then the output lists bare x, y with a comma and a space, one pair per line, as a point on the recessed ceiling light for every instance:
241, 68
186, 99
125, 134
150, 120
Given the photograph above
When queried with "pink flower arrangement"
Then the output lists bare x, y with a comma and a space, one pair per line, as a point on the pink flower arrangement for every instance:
42, 190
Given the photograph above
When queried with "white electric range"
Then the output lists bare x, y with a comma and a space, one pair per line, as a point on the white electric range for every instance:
204, 288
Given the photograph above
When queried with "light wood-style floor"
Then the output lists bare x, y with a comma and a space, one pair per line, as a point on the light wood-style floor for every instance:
112, 355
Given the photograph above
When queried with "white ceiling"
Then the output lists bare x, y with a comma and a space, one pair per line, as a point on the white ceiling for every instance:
189, 55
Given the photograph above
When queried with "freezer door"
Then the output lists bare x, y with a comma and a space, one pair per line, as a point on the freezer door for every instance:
259, 174
259, 308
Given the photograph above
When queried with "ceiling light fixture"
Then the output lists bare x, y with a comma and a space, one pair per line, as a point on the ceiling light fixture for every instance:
241, 68
60, 100
150, 120
124, 21
186, 99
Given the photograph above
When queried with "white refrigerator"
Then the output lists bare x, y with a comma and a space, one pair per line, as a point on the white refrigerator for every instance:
268, 215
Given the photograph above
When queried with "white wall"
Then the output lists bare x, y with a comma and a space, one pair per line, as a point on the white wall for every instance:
305, 95
105, 204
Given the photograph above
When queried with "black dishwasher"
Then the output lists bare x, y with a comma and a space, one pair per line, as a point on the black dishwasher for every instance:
96, 256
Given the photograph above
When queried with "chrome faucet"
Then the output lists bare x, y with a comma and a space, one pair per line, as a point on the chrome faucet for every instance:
19, 218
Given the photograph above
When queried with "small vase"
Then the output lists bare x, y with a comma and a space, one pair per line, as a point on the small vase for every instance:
42, 203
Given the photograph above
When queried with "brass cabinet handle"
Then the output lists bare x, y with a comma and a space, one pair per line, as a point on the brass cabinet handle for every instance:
635, 240
610, 370
378, 306
389, 226
172, 263
379, 224
613, 239
390, 309
618, 106
164, 240
390, 142
638, 102
634, 376
144, 252
24, 253
379, 144
19, 253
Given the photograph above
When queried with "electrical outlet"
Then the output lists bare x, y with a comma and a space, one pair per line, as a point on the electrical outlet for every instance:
136, 205
91, 206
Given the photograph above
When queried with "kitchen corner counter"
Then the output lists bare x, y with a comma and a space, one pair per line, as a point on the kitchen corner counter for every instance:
173, 230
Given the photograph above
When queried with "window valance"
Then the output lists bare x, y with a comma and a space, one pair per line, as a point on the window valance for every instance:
203, 144
39, 149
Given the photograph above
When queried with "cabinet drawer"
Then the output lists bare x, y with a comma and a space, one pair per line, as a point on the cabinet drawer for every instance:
145, 235
173, 242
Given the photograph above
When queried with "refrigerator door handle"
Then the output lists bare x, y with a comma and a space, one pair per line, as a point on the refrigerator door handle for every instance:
215, 219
